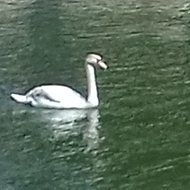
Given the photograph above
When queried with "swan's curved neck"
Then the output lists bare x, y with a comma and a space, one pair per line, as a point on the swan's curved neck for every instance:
92, 88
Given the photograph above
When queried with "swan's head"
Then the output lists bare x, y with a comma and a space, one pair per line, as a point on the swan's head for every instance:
96, 60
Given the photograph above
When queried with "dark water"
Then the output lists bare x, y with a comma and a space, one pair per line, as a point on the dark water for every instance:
139, 138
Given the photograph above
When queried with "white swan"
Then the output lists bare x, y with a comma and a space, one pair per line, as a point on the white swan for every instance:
57, 96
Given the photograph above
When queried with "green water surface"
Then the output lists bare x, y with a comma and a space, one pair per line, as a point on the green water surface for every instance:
139, 137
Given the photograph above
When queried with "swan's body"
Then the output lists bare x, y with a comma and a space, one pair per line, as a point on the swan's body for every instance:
57, 96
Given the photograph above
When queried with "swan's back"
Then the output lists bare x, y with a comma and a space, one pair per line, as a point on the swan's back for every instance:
56, 95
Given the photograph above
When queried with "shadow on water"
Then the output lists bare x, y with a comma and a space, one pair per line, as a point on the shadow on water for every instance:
63, 122
49, 143
48, 50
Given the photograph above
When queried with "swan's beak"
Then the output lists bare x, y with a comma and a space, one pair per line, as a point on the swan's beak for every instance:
102, 64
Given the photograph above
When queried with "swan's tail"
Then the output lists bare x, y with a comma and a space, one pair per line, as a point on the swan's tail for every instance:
19, 98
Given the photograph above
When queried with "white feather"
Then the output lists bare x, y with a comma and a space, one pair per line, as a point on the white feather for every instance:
57, 96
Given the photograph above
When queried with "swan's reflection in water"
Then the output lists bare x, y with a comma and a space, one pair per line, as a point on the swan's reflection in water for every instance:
74, 122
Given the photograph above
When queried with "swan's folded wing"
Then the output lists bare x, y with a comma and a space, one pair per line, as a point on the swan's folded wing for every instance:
47, 96
39, 93
62, 96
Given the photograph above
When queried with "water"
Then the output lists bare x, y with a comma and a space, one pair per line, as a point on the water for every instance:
139, 136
